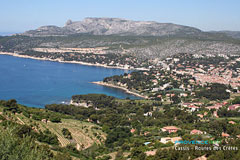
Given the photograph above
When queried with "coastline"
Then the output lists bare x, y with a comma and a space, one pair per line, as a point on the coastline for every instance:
118, 87
73, 62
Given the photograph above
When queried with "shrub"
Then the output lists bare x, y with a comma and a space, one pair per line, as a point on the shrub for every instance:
55, 119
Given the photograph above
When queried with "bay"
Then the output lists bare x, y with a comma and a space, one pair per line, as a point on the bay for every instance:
35, 83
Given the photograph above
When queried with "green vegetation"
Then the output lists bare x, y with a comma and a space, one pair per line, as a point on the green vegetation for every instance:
126, 125
119, 117
236, 100
50, 140
14, 147
55, 119
216, 92
67, 134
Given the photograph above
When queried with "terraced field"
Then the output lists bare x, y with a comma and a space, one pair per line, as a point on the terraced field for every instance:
84, 134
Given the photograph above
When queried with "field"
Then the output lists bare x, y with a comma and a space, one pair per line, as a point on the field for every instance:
84, 134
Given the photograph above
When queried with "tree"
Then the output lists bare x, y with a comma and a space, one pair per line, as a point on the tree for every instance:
125, 147
23, 130
216, 91
117, 135
217, 156
11, 105
176, 99
236, 100
55, 119
48, 137
162, 154
67, 134
14, 147
138, 154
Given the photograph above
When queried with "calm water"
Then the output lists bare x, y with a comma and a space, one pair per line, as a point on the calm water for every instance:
37, 83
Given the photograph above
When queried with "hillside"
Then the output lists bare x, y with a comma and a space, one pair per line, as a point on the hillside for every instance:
102, 127
141, 47
46, 129
233, 34
119, 43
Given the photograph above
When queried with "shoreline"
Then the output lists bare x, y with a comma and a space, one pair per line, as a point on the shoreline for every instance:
118, 87
73, 62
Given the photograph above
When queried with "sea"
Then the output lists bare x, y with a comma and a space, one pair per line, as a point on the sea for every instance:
35, 83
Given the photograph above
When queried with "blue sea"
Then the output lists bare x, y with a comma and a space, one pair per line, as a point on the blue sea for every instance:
35, 83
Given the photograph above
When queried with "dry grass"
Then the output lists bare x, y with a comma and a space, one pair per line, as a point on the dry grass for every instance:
82, 132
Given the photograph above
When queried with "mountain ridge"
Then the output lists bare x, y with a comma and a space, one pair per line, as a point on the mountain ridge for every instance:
233, 34
114, 26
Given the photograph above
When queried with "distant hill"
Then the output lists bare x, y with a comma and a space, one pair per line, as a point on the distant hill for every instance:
140, 39
7, 33
115, 26
233, 34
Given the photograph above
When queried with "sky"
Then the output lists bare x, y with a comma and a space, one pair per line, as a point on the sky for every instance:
207, 15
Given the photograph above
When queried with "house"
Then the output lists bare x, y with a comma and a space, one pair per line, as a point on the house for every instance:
155, 81
155, 89
44, 120
200, 115
232, 122
233, 107
195, 131
169, 139
216, 106
89, 120
146, 133
145, 73
225, 135
170, 129
215, 114
148, 114
183, 94
224, 103
151, 153
193, 108
133, 130
193, 103
170, 95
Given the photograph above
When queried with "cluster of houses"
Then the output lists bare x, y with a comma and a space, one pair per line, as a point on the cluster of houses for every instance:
160, 82
204, 72
174, 129
195, 106
97, 50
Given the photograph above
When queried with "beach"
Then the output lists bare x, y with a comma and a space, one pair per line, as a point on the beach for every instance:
118, 87
75, 62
